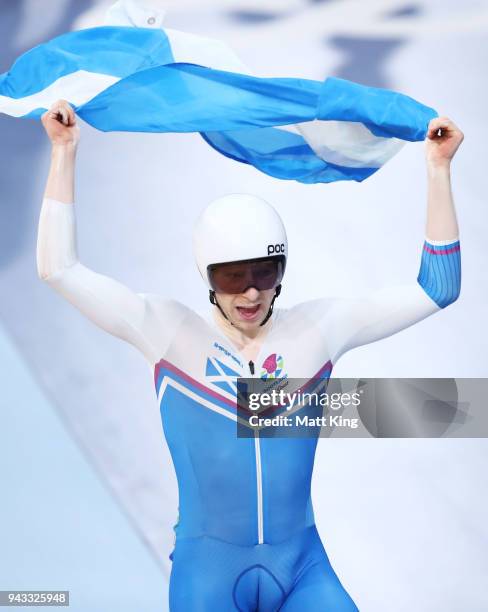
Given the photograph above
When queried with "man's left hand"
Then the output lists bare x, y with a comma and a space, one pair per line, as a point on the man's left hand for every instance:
441, 146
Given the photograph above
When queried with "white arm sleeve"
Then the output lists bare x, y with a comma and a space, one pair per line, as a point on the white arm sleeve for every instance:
351, 322
133, 317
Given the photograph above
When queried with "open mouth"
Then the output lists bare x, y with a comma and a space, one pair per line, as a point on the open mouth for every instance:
249, 313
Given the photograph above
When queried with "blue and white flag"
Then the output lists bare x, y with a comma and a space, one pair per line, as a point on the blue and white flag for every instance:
146, 80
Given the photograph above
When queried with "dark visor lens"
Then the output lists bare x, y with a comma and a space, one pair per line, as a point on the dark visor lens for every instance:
238, 276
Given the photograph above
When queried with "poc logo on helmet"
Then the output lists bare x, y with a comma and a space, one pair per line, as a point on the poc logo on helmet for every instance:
276, 249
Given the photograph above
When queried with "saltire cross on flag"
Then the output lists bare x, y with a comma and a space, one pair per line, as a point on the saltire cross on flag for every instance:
121, 78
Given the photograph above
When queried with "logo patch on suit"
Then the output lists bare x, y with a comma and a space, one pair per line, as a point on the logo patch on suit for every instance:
272, 367
219, 373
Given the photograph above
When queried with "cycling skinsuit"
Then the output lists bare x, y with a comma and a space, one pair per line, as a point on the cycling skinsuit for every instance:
246, 538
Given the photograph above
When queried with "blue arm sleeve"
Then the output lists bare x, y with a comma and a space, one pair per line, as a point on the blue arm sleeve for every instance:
440, 271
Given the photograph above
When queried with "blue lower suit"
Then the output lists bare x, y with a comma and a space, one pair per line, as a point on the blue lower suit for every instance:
294, 575
246, 538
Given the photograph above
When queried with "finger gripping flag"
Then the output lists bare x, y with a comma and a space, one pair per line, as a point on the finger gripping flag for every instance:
143, 80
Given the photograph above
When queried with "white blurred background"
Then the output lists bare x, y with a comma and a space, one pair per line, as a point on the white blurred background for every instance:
88, 495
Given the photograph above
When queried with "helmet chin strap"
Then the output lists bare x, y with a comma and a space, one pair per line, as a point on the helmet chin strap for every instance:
213, 300
271, 306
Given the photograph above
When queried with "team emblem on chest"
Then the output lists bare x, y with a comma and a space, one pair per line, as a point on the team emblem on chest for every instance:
273, 367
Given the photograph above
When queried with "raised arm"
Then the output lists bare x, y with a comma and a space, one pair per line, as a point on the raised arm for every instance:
108, 303
353, 322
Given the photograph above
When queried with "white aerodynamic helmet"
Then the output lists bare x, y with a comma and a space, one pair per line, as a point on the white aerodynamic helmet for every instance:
237, 227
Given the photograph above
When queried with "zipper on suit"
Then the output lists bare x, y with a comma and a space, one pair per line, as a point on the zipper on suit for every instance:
259, 475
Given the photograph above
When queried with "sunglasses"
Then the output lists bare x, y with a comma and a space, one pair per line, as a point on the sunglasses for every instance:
237, 277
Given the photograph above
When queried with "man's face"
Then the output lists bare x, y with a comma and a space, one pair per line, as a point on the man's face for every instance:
246, 310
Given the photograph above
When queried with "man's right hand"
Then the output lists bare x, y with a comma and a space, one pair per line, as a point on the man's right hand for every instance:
60, 124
